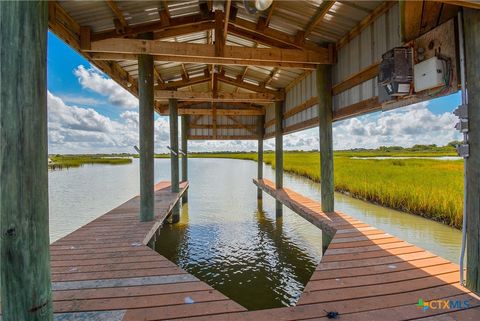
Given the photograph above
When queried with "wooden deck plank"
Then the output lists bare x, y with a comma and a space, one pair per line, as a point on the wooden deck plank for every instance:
367, 274
104, 269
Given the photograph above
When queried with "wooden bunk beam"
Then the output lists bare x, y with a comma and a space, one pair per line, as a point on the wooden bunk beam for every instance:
219, 97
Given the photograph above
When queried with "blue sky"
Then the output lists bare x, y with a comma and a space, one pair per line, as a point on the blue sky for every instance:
89, 113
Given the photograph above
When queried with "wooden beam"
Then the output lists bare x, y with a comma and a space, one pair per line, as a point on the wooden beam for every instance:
183, 30
363, 107
219, 38
230, 137
321, 12
146, 113
174, 168
272, 75
24, 246
223, 126
182, 83
411, 19
325, 115
270, 34
222, 96
164, 13
278, 154
205, 51
471, 22
101, 56
251, 87
157, 26
122, 23
220, 112
356, 79
227, 5
184, 145
381, 9
467, 4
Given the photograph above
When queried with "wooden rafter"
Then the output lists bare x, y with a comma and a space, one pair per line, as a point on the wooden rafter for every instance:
319, 15
248, 86
223, 126
381, 9
156, 27
219, 112
226, 18
183, 83
120, 22
205, 52
164, 13
221, 96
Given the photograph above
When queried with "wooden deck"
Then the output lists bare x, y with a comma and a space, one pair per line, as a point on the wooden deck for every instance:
106, 271
367, 274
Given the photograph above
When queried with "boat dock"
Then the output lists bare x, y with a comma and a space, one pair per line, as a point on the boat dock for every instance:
105, 270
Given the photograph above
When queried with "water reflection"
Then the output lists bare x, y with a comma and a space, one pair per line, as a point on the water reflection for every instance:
225, 236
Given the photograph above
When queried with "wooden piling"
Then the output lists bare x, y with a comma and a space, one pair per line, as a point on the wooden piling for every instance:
472, 163
146, 113
172, 105
278, 153
24, 249
325, 115
185, 154
260, 131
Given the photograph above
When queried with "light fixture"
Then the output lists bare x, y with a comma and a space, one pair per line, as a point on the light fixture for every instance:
263, 5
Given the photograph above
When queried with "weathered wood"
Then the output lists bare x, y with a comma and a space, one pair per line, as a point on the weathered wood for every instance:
205, 51
325, 115
220, 97
260, 132
24, 252
278, 153
220, 112
174, 155
472, 163
243, 84
146, 114
185, 128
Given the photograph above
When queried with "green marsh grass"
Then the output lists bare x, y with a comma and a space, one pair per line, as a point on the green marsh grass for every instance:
426, 187
66, 161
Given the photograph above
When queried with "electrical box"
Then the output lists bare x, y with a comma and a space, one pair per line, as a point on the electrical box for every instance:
429, 74
396, 72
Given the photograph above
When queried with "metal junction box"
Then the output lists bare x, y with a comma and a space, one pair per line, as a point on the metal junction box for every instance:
396, 72
429, 74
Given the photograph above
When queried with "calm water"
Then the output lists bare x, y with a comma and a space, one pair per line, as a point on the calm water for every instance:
223, 238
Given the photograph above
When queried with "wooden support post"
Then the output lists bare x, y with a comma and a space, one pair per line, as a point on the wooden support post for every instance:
472, 163
278, 153
24, 241
185, 154
172, 104
260, 132
325, 114
146, 108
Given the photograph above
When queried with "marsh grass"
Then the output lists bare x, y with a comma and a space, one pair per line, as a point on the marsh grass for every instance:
67, 161
426, 187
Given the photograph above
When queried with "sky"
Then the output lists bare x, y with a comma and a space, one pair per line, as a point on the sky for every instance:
90, 113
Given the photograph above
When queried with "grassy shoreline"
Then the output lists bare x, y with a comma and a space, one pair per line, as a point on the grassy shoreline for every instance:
425, 187
66, 161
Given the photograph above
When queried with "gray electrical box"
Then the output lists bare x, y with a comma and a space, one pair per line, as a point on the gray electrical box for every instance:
396, 73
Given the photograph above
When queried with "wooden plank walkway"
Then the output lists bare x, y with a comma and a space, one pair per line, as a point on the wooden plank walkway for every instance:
106, 271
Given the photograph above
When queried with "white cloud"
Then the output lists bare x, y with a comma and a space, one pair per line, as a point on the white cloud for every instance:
415, 124
74, 129
94, 80
73, 99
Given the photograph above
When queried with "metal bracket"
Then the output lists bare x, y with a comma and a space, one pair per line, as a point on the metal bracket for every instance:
463, 150
462, 125
182, 152
137, 149
172, 151
461, 111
